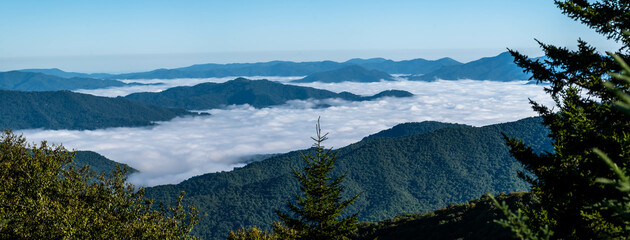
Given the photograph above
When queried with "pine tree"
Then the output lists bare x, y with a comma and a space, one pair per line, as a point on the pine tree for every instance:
319, 210
583, 119
253, 233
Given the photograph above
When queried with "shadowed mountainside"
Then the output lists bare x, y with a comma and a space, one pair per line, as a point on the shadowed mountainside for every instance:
32, 81
68, 110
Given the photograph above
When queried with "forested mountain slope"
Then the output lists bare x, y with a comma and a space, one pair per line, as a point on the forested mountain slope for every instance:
257, 93
411, 128
34, 81
408, 174
98, 163
68, 110
468, 221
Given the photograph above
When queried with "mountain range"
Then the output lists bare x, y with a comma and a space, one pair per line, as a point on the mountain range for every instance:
417, 168
286, 68
257, 93
497, 68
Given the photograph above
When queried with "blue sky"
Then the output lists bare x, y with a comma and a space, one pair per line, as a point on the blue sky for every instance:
134, 35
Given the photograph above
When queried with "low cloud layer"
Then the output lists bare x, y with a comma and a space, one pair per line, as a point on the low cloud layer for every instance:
158, 85
184, 147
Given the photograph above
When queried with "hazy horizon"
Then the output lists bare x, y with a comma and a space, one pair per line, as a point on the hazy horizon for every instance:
116, 64
121, 36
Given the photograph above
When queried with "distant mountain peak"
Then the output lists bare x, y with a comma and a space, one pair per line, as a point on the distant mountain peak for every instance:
363, 61
240, 79
350, 73
497, 68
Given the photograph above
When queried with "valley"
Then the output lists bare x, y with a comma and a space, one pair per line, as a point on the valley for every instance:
235, 138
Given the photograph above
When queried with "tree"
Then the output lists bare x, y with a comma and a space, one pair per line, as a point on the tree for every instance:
319, 208
43, 197
254, 233
583, 119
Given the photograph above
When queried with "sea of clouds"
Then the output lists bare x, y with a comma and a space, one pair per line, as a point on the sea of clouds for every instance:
173, 151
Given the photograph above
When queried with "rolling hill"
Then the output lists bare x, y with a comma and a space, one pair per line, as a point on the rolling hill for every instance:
257, 93
68, 110
410, 173
471, 220
33, 81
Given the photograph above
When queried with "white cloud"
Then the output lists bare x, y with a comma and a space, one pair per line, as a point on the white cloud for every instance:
184, 147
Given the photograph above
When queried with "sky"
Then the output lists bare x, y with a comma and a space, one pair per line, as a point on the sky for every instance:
173, 151
125, 36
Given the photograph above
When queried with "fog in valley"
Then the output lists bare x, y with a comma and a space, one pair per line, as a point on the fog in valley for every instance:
173, 151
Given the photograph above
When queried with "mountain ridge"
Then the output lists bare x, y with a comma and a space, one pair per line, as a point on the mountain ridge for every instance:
34, 81
411, 173
271, 68
69, 110
257, 93
497, 68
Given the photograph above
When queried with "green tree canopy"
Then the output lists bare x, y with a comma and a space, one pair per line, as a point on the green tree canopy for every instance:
43, 197
319, 209
582, 119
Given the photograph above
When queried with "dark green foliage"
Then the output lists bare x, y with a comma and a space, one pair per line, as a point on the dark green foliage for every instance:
352, 73
253, 233
98, 163
42, 197
408, 174
406, 129
470, 220
257, 93
317, 215
582, 119
68, 110
516, 222
498, 68
30, 81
